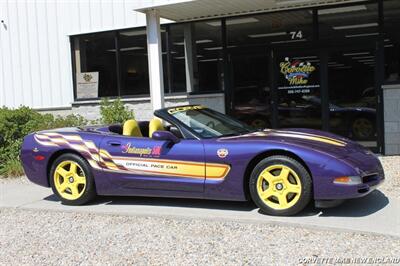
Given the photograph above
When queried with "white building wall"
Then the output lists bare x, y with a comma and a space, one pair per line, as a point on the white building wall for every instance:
35, 56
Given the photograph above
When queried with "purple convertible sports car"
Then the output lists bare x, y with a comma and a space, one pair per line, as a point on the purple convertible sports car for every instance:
195, 152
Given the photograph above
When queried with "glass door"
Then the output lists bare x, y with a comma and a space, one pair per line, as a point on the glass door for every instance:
298, 89
333, 89
250, 83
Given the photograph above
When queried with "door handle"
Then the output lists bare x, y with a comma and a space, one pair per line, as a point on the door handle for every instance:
114, 143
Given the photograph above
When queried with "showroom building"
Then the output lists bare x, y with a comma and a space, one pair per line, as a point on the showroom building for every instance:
330, 65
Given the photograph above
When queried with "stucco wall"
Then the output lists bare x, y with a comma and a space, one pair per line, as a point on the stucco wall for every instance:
391, 100
142, 107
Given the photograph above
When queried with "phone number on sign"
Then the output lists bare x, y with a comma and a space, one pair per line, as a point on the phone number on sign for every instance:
298, 91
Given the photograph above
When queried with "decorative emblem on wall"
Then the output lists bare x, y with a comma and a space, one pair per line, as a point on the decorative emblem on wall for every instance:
87, 77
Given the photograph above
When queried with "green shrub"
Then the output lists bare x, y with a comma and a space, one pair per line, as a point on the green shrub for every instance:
68, 121
11, 168
114, 112
17, 123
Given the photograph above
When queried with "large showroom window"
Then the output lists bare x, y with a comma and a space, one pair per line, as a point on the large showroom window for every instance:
95, 65
174, 65
206, 55
134, 71
194, 57
350, 23
249, 43
352, 94
274, 28
115, 64
353, 32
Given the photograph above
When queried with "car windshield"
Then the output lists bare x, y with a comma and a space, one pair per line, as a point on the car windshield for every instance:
210, 124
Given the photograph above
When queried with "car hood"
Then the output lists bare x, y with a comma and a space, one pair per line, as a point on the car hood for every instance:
317, 140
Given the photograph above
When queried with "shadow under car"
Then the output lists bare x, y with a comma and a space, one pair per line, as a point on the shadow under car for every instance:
360, 207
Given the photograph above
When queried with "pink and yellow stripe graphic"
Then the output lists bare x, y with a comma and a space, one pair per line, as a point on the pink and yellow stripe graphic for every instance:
102, 159
156, 166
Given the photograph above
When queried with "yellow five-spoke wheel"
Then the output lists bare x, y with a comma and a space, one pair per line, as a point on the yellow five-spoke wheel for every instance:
280, 185
71, 180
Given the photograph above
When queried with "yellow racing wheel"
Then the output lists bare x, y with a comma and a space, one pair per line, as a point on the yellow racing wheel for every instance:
71, 180
280, 185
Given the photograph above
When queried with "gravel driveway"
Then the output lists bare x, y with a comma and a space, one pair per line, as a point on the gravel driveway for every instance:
42, 237
391, 186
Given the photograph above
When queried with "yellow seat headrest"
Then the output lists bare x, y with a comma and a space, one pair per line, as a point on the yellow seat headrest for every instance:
155, 125
131, 128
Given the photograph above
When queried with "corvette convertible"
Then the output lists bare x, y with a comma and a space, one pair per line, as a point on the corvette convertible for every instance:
195, 152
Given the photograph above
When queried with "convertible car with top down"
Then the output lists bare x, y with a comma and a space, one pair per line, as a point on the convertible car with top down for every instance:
194, 152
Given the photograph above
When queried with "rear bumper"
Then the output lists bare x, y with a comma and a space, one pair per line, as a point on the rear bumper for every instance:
36, 171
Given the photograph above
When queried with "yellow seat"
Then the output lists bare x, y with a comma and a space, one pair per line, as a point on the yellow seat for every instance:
131, 128
155, 125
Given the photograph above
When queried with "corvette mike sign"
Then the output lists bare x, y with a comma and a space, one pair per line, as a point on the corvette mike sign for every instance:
297, 76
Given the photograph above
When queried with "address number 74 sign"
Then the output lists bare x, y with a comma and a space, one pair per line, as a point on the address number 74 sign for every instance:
296, 34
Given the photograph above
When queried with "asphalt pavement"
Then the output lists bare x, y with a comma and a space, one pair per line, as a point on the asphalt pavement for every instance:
375, 213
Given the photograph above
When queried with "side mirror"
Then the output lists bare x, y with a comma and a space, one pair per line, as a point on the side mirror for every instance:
166, 136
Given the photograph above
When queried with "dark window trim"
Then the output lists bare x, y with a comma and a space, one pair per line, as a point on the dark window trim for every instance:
315, 24
118, 63
111, 31
205, 92
227, 88
138, 96
379, 79
324, 83
168, 45
73, 61
396, 82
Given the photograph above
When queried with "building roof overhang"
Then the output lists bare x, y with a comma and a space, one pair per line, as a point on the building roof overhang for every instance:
190, 10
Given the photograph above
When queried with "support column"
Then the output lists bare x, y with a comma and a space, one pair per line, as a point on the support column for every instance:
155, 59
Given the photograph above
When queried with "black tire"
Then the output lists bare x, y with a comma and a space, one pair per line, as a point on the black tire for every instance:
89, 192
298, 168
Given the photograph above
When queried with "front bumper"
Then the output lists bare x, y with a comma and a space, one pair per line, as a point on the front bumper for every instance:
343, 191
328, 203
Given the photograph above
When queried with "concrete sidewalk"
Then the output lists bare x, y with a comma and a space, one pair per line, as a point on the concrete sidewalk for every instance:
374, 213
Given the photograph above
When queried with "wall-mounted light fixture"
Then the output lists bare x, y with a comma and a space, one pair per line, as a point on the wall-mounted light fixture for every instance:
4, 24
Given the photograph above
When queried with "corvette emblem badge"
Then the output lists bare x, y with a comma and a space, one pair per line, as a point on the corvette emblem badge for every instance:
222, 153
